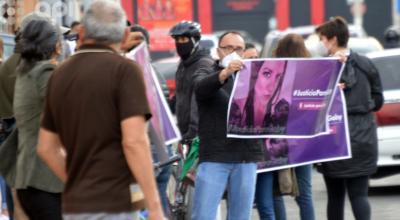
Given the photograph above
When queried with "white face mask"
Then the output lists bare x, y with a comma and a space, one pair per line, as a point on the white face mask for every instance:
228, 58
321, 50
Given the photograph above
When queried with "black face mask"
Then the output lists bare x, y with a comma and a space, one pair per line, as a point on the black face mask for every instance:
184, 49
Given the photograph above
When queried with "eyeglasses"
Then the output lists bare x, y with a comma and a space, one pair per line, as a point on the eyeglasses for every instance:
230, 49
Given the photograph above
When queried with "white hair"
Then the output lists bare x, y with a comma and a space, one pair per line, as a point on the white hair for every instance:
105, 22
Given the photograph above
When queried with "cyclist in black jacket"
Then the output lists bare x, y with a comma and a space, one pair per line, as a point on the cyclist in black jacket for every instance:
187, 35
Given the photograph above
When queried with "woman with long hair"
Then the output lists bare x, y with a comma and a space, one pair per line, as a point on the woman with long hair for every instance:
292, 46
270, 208
38, 189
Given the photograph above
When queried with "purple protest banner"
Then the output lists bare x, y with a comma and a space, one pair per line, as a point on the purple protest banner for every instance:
286, 153
163, 130
283, 98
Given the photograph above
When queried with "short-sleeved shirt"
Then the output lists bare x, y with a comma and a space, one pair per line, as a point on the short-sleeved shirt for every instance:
88, 97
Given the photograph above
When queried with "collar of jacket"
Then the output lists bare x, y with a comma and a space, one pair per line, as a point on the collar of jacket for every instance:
197, 54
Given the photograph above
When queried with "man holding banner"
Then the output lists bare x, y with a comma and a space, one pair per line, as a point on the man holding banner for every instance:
224, 162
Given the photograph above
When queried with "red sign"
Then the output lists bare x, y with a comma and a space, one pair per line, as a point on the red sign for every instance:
242, 5
159, 16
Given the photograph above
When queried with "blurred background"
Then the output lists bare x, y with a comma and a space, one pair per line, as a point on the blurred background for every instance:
254, 18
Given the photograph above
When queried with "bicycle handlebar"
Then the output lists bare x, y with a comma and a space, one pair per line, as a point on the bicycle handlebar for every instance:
171, 160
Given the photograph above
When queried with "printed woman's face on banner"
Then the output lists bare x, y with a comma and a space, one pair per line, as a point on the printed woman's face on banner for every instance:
268, 78
278, 148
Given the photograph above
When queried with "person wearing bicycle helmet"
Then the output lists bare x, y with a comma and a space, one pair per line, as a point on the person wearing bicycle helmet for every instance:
392, 37
187, 35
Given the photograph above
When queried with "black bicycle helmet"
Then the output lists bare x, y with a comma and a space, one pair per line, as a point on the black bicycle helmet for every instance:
186, 28
392, 37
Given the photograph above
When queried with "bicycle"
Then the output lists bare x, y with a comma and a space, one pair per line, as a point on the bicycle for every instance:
181, 187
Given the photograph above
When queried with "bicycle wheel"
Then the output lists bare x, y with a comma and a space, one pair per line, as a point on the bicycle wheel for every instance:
180, 194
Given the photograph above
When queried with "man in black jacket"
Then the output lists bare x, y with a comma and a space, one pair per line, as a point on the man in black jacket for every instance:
187, 35
224, 162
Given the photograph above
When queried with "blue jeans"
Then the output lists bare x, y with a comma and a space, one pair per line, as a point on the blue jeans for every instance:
102, 216
304, 200
264, 196
211, 181
7, 126
3, 190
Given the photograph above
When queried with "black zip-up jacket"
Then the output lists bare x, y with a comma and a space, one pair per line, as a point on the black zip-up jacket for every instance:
213, 99
363, 94
186, 106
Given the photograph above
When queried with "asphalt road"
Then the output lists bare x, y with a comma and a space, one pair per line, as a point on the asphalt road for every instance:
384, 197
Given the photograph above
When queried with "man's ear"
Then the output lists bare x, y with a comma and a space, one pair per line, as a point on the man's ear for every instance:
81, 33
126, 36
335, 40
58, 49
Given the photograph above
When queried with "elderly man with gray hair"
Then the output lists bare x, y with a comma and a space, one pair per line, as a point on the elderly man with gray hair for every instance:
93, 131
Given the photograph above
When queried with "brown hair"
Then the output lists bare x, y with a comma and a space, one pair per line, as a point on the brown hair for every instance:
292, 45
335, 27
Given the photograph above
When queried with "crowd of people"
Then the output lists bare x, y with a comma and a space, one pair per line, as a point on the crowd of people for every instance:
75, 139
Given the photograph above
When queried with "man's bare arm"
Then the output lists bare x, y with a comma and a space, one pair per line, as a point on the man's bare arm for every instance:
137, 152
52, 152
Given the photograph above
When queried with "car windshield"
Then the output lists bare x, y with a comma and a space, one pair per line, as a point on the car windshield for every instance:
389, 71
207, 44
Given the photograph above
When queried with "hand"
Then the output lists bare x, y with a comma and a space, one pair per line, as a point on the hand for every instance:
234, 66
341, 55
5, 212
137, 38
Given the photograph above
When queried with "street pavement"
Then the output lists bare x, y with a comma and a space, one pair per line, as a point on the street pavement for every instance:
384, 197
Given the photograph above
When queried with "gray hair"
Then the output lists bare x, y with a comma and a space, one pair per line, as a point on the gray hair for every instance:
105, 22
34, 16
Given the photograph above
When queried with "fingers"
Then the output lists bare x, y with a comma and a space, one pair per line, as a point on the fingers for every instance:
235, 65
341, 55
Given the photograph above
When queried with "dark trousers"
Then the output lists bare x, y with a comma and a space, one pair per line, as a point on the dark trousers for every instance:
40, 205
357, 189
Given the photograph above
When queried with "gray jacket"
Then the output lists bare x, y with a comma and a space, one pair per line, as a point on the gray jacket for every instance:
29, 96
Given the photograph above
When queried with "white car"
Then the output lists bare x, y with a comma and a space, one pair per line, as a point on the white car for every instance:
272, 37
361, 45
388, 118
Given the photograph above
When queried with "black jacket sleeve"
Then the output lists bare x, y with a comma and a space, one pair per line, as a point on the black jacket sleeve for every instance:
376, 87
194, 120
206, 83
366, 65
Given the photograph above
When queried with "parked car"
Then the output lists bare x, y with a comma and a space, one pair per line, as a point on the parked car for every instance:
272, 38
388, 118
362, 45
167, 68
210, 41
